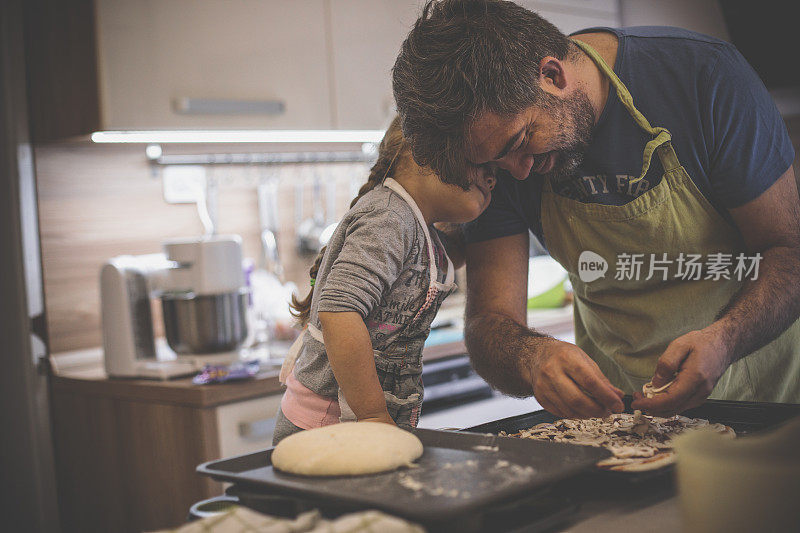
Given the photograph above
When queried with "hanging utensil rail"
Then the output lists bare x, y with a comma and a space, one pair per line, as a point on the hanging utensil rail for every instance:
273, 158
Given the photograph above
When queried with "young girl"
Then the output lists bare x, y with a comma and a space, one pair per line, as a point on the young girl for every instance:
376, 288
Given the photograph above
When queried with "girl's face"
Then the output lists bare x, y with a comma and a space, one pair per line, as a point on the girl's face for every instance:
454, 204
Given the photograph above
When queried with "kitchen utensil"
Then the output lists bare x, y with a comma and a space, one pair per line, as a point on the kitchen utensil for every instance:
331, 220
201, 285
207, 208
272, 322
311, 232
212, 507
330, 200
458, 475
268, 218
205, 323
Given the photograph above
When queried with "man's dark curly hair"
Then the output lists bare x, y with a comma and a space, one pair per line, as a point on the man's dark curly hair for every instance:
463, 58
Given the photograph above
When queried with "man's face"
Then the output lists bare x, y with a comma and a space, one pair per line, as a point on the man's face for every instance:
547, 139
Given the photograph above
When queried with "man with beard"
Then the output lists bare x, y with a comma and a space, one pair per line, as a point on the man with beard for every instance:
657, 149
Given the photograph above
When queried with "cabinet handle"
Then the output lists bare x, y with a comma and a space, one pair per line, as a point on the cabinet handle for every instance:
257, 429
211, 106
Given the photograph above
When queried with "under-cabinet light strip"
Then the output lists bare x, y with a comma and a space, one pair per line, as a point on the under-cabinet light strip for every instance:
239, 136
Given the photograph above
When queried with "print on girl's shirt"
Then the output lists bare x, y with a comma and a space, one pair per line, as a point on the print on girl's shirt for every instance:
605, 189
382, 327
417, 277
393, 313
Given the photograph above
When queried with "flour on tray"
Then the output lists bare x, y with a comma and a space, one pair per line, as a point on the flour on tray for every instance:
441, 481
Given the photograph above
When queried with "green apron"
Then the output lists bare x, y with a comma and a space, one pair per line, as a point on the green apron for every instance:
625, 325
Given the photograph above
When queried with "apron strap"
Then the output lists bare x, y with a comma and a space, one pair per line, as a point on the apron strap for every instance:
294, 351
291, 358
669, 159
661, 136
434, 272
315, 333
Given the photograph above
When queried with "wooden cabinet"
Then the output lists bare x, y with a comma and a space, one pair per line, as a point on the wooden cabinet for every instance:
366, 36
126, 450
61, 69
328, 62
151, 53
365, 39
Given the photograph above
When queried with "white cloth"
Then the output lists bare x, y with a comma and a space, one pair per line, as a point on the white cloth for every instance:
243, 520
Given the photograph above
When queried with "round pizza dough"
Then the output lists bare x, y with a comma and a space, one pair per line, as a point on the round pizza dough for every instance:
348, 448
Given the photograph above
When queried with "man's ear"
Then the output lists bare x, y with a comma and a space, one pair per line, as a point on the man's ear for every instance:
552, 77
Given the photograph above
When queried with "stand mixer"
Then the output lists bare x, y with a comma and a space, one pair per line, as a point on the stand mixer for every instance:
200, 283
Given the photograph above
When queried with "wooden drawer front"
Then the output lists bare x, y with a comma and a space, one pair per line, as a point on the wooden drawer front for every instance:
246, 427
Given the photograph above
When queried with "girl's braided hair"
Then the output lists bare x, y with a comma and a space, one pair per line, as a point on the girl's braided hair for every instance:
389, 153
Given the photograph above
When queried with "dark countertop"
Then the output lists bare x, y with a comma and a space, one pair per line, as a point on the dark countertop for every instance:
175, 391
615, 507
92, 379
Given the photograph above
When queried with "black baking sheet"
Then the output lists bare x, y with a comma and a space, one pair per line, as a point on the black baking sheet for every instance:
743, 417
458, 474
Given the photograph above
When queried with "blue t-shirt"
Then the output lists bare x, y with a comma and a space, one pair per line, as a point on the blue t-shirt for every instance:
726, 131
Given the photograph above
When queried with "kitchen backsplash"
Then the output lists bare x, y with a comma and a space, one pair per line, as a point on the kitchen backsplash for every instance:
99, 201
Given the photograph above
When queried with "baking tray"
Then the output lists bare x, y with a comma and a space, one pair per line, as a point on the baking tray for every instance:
458, 476
743, 417
536, 512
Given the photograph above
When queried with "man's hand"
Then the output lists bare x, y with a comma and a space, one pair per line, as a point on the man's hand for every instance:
568, 383
696, 361
514, 358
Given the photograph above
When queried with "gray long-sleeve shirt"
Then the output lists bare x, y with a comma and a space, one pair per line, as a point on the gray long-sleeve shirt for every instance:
376, 265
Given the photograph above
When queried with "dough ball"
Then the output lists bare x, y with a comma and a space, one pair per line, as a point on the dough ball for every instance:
347, 448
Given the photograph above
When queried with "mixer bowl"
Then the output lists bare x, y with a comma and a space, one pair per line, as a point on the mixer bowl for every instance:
205, 324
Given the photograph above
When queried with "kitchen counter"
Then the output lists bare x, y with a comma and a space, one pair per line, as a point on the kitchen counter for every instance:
90, 378
181, 391
651, 516
175, 391
127, 449
645, 507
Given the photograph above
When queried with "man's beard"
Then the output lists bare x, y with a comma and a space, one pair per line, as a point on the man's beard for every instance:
577, 115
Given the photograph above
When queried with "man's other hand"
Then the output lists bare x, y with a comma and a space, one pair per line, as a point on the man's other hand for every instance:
696, 361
